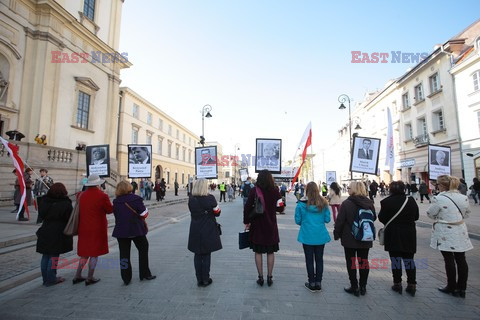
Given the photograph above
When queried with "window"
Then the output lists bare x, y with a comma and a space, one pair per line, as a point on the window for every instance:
177, 152
438, 121
422, 127
190, 151
184, 138
178, 134
434, 83
89, 9
408, 132
419, 93
405, 101
176, 176
184, 158
183, 178
83, 110
189, 141
476, 80
227, 174
169, 149
160, 124
478, 118
168, 177
160, 146
149, 118
134, 135
170, 129
135, 110
149, 138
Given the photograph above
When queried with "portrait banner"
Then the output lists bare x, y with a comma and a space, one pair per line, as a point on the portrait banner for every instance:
139, 160
206, 165
365, 154
439, 161
268, 155
331, 176
98, 160
243, 174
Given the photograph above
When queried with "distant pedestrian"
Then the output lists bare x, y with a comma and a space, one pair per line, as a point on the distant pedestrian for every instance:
135, 186
373, 189
283, 193
400, 234
324, 189
142, 188
204, 236
414, 190
42, 184
148, 189
356, 252
450, 234
94, 205
475, 190
423, 190
334, 199
176, 186
223, 191
230, 193
263, 233
130, 214
27, 177
245, 189
311, 214
54, 210
163, 189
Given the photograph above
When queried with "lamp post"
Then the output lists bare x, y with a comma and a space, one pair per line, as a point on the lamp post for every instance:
344, 98
205, 113
237, 147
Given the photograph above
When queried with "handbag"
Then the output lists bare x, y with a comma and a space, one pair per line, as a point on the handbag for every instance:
219, 227
381, 232
243, 241
143, 220
71, 229
257, 210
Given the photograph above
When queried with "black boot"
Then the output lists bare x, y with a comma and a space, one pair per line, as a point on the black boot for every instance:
397, 287
352, 290
411, 289
260, 280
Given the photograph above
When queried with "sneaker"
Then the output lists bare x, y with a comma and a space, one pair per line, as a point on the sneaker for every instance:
310, 286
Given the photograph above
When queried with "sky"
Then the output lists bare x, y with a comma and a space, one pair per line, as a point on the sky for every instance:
269, 67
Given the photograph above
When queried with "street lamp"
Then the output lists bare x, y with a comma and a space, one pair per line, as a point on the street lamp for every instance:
205, 113
344, 98
237, 147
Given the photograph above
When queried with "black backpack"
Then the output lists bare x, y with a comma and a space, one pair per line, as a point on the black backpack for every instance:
246, 190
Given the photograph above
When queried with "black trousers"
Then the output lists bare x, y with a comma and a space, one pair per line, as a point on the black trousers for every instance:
124, 244
314, 254
202, 266
424, 195
458, 258
361, 257
222, 194
396, 259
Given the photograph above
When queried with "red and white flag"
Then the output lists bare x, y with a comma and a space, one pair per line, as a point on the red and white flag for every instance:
303, 145
18, 164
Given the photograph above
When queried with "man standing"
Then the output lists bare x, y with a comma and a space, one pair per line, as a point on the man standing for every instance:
245, 190
223, 190
365, 152
42, 184
175, 185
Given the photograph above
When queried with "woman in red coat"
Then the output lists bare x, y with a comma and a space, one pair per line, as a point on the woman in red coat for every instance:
92, 228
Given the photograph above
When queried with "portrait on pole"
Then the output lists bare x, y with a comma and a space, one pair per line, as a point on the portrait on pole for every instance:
139, 160
439, 161
206, 162
98, 160
268, 155
365, 154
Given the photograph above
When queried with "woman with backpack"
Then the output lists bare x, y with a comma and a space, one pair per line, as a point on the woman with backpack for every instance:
399, 212
356, 206
311, 214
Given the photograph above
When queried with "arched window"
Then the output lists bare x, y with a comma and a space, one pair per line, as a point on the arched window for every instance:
4, 76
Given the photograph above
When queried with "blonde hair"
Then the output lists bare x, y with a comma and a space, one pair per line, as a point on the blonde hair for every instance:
123, 187
200, 188
358, 188
314, 197
450, 183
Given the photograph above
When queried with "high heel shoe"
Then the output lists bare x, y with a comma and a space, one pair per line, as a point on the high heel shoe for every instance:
260, 281
411, 289
397, 287
91, 281
269, 281
148, 278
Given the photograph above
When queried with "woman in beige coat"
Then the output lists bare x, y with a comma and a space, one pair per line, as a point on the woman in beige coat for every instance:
449, 234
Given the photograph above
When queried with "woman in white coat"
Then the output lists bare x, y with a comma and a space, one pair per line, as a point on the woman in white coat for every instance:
449, 235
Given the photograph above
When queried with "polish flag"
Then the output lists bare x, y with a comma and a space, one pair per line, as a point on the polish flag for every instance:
18, 164
303, 145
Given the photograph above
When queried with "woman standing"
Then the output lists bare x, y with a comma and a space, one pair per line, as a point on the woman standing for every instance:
334, 196
94, 206
263, 234
355, 250
163, 189
204, 235
54, 210
423, 190
311, 214
130, 214
400, 235
450, 234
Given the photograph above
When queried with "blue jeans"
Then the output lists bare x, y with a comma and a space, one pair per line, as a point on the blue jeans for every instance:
202, 266
474, 195
49, 275
314, 253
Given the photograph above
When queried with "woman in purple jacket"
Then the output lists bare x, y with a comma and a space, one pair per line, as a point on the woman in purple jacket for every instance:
263, 229
130, 214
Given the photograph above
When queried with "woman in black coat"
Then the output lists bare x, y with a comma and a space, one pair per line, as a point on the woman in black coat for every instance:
204, 236
54, 210
400, 235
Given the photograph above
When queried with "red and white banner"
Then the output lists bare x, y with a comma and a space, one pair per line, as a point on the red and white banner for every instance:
303, 145
18, 164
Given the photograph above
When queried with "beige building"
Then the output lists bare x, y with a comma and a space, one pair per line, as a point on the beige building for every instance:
173, 145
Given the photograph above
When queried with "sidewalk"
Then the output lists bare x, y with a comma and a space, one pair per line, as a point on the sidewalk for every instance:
234, 293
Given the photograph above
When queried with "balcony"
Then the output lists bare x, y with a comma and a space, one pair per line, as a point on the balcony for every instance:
421, 140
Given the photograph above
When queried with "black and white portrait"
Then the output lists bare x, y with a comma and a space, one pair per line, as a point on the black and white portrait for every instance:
439, 161
243, 174
206, 162
98, 160
365, 155
331, 176
269, 155
139, 160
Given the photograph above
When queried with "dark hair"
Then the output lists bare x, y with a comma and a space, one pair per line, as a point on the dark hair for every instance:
44, 170
366, 139
142, 148
265, 181
397, 187
99, 150
57, 190
334, 186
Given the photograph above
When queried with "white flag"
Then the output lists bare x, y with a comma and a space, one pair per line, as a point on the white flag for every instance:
390, 154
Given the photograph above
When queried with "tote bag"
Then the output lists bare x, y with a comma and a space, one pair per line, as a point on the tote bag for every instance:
243, 241
71, 229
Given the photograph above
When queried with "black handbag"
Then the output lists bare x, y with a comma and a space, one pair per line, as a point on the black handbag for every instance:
243, 241
257, 209
219, 227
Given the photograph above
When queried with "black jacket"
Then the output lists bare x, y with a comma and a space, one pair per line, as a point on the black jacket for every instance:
203, 236
345, 219
55, 214
401, 234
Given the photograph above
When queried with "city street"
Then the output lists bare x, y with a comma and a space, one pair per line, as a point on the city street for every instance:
234, 293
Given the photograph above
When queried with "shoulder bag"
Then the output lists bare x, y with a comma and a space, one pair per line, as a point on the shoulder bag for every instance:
139, 217
257, 208
381, 231
455, 223
71, 229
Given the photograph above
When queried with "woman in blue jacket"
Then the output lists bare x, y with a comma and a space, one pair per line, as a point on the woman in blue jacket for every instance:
311, 214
